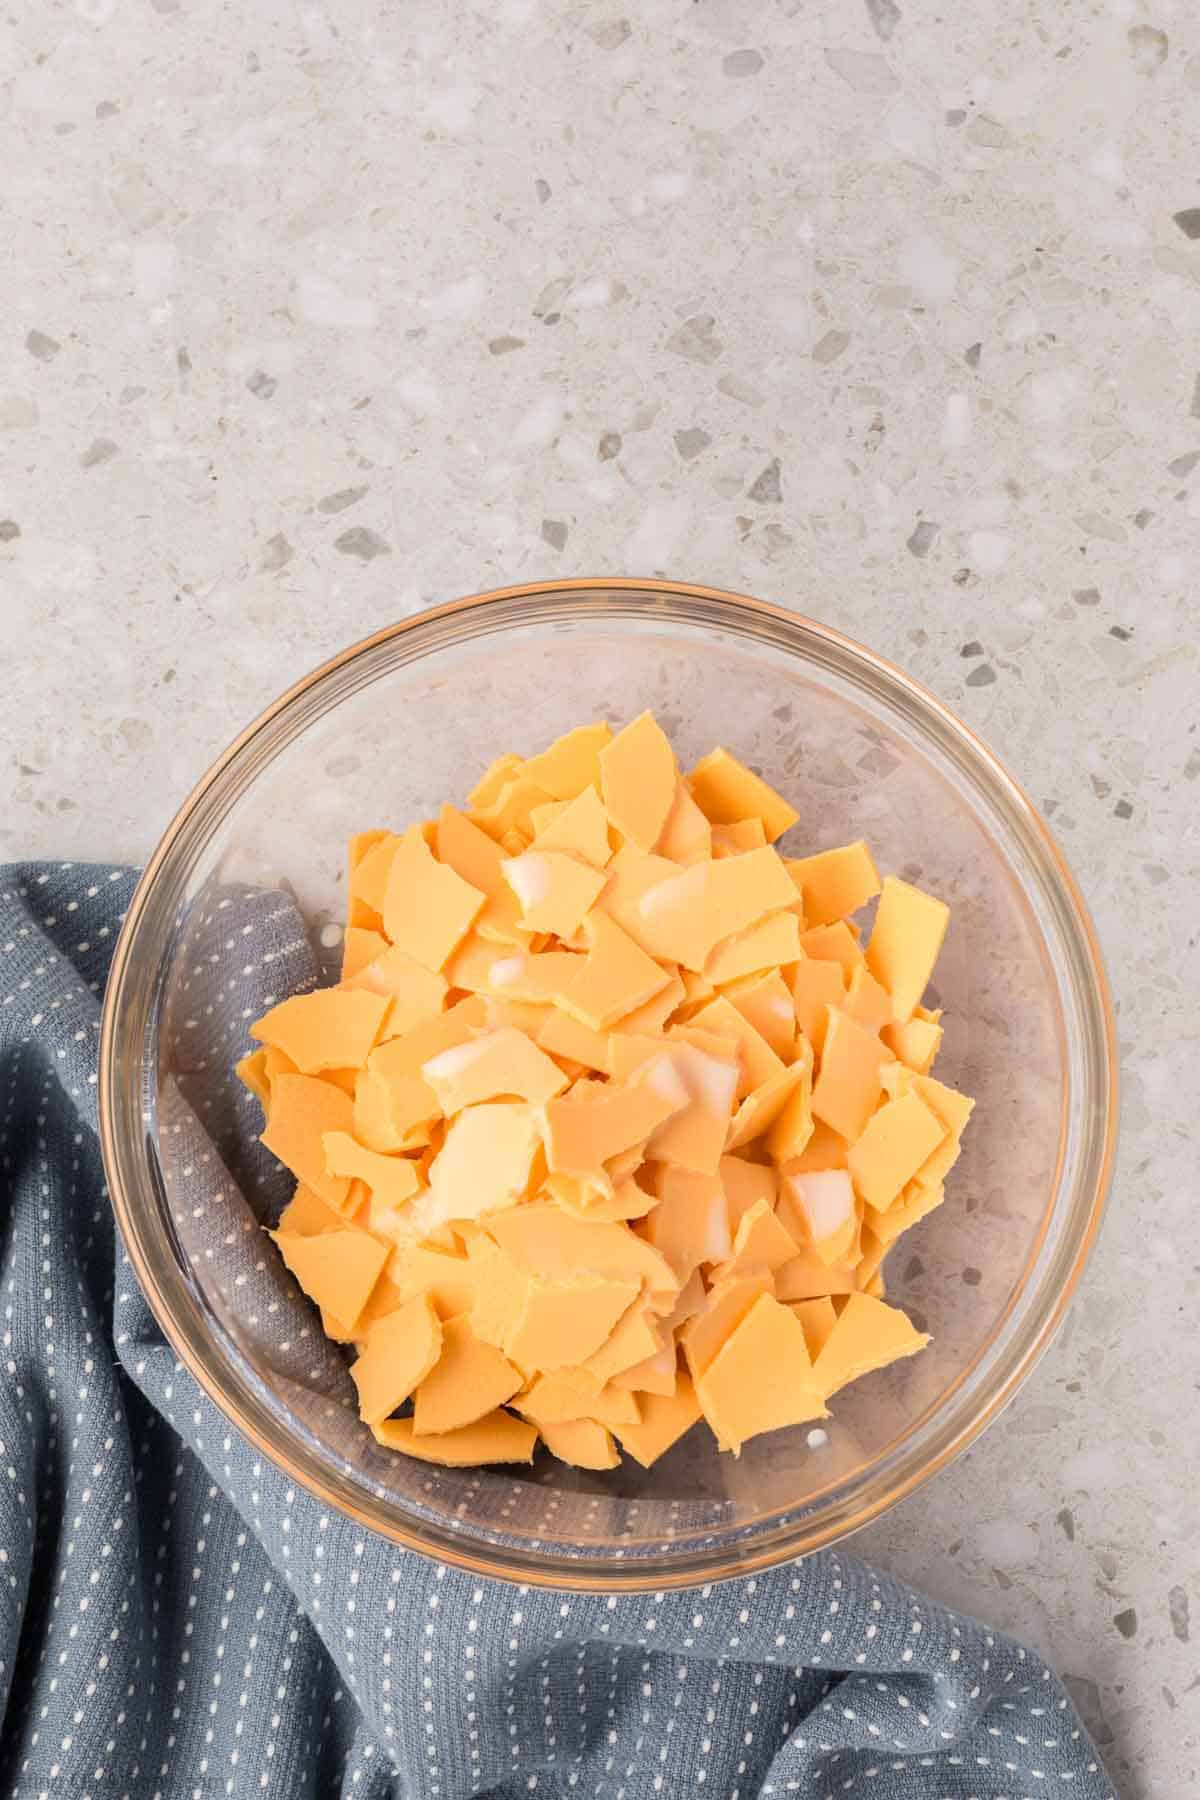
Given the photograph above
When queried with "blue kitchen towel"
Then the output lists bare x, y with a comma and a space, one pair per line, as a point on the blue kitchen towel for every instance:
177, 1621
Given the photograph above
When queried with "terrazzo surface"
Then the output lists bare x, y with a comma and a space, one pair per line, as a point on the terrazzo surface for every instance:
317, 315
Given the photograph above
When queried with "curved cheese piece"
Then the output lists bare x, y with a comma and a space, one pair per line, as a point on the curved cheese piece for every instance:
638, 779
400, 1351
563, 1398
728, 1302
867, 1336
333, 1028
582, 1443
835, 882
496, 1438
581, 1134
468, 1379
916, 1042
726, 790
766, 1001
360, 945
479, 859
833, 943
690, 1224
760, 1242
904, 943
427, 908
758, 1061
816, 986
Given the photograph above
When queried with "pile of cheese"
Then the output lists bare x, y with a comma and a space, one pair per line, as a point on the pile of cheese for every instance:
612, 1118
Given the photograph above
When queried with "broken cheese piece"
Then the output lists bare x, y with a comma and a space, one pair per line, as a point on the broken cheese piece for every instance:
761, 1241
572, 763
468, 1379
415, 992
497, 1064
685, 916
391, 1179
664, 1420
333, 1028
483, 1166
565, 1321
638, 779
898, 1140
687, 835
337, 1269
818, 1318
773, 942
729, 1300
904, 943
615, 977
867, 1336
726, 791
303, 1109
835, 882
581, 1442
579, 827
849, 1083
554, 891
427, 908
496, 1438
400, 1350
916, 1042
761, 1378
582, 1134
816, 986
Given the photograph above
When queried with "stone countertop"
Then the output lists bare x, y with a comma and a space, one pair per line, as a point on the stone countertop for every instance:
889, 314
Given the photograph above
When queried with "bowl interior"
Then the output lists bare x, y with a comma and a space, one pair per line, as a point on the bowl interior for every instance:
413, 722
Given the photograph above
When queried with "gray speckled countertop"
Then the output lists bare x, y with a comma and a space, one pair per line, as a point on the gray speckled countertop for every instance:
889, 312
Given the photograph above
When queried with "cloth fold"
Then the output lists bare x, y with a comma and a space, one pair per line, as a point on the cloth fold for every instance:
177, 1619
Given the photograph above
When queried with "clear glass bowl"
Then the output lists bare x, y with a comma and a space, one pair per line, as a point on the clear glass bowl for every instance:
384, 733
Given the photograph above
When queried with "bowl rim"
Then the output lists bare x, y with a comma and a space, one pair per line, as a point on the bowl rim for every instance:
630, 1573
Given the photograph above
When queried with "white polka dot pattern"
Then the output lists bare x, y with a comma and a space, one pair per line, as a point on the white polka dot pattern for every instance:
177, 1620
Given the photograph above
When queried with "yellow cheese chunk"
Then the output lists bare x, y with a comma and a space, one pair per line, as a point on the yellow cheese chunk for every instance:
495, 777
478, 858
334, 1028
569, 1395
849, 1084
616, 976
664, 1420
632, 873
542, 980
561, 1035
759, 1110
914, 1204
303, 1109
789, 1131
761, 1378
806, 1277
657, 1375
251, 1071
401, 1349
582, 1443
766, 1001
952, 1108
773, 941
416, 993
509, 817
501, 1290
744, 1183
391, 1179
582, 1134
633, 1340
732, 840
760, 1242
428, 908
866, 1002
384, 1299
727, 1305
816, 986
687, 835
694, 1138
867, 1336
638, 779
904, 943
572, 763
579, 828
835, 882
758, 1062
497, 1064
497, 1438
897, 1141
916, 1042
306, 1214
653, 1014
834, 943
449, 1280
825, 1149
564, 1322
483, 1166
820, 1211
684, 917
468, 1379
547, 1242
337, 1269
553, 890
392, 1099
360, 946
818, 1319
370, 861
726, 790
690, 1224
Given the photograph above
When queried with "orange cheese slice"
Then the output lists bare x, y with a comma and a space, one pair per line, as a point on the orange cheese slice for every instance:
384, 1299
428, 908
898, 1140
867, 1336
694, 1138
760, 1242
904, 943
251, 1071
633, 1340
688, 1302
496, 776
572, 762
565, 1321
303, 1109
847, 1089
759, 1110
579, 828
554, 891
687, 835
816, 986
820, 1212
483, 1165
917, 1041
561, 1035
638, 778
391, 1179
334, 1028
833, 943
771, 942
866, 1002
545, 1241
744, 1183
449, 1280
395, 1115
497, 1064
509, 817
496, 1438
806, 1277
569, 1395
337, 1269
400, 1350
501, 1289
914, 1204
873, 1252
835, 882
789, 1131
766, 1001
582, 1443
616, 976
543, 980
824, 1150
951, 1107
416, 993
818, 1318
478, 858
727, 1304
657, 1375
684, 917
360, 945
690, 1224
726, 790
468, 1379
758, 1062
653, 1014
582, 1134
664, 1420
732, 840
370, 861
761, 1378
306, 1214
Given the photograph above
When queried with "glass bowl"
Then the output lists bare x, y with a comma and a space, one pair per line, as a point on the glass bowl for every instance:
380, 736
